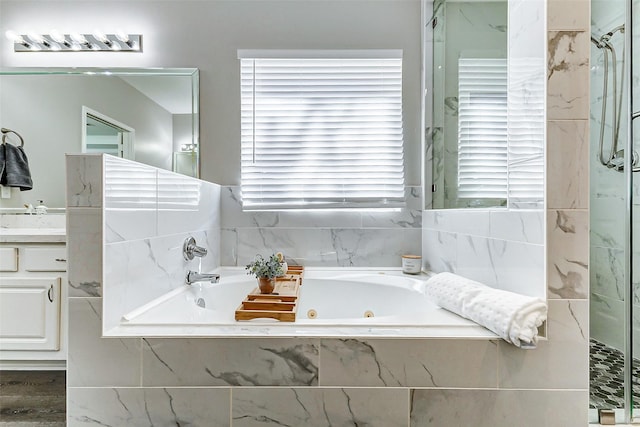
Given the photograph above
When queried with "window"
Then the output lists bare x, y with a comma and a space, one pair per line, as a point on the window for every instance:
321, 129
482, 128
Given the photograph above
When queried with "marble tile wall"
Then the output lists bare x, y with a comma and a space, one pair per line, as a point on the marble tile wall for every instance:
321, 382
567, 254
148, 213
503, 249
343, 239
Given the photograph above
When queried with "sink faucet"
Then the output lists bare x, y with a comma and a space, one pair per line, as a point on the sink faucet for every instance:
193, 277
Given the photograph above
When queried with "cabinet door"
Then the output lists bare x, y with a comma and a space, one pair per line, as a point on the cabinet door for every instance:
44, 259
8, 259
30, 313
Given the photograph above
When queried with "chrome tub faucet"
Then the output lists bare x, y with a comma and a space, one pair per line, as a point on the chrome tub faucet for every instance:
191, 250
193, 277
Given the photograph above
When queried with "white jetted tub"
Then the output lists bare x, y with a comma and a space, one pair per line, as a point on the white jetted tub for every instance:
332, 303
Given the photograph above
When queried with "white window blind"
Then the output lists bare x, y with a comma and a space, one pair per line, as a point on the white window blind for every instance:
320, 131
482, 128
134, 186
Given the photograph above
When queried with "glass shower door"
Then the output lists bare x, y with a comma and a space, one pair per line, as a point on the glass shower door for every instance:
633, 205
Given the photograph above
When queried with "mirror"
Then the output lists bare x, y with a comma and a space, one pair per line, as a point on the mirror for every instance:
469, 104
147, 115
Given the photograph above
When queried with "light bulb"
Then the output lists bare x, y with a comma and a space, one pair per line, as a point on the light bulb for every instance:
101, 37
54, 46
14, 37
76, 46
115, 45
122, 36
36, 38
78, 38
56, 36
35, 47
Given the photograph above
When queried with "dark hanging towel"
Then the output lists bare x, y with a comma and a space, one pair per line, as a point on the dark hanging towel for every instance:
14, 167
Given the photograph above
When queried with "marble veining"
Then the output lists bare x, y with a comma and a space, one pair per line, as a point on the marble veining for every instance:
607, 272
568, 153
90, 289
145, 228
84, 180
394, 363
320, 407
568, 253
84, 244
331, 406
463, 242
149, 406
138, 271
257, 362
361, 247
469, 407
567, 75
119, 359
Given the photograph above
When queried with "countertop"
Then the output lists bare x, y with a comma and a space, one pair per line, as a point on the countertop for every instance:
33, 235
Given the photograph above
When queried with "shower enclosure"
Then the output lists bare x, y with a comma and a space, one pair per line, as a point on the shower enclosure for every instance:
615, 209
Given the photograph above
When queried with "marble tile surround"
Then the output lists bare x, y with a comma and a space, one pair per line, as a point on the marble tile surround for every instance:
84, 180
148, 406
568, 75
145, 223
568, 253
344, 239
502, 249
418, 405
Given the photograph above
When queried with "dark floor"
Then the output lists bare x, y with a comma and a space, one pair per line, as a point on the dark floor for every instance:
606, 367
32, 398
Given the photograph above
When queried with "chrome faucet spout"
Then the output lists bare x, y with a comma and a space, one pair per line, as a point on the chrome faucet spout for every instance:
193, 277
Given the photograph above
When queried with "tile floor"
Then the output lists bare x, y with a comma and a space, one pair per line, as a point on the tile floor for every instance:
606, 366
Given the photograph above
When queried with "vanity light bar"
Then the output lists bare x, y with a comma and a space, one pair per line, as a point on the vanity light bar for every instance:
75, 42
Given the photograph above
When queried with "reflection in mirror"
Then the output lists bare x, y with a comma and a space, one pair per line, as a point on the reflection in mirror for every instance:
148, 115
469, 104
102, 134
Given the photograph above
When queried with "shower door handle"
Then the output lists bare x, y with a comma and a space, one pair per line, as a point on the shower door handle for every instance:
633, 117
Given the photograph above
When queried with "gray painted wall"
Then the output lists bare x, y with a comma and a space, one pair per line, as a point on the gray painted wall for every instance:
47, 112
207, 34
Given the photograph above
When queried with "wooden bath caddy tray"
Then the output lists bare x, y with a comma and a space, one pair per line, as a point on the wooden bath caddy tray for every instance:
281, 304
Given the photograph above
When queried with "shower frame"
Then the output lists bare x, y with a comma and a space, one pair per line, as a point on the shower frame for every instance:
627, 164
629, 176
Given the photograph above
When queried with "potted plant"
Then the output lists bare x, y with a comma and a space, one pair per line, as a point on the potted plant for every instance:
266, 270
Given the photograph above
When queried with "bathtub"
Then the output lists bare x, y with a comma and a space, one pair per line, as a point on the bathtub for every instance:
332, 303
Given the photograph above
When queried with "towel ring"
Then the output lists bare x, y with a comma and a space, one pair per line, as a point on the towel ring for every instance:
5, 131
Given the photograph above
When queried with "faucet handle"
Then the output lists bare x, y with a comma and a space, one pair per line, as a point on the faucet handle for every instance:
190, 249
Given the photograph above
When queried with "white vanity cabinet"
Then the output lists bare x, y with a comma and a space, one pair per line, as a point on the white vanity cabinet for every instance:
32, 300
30, 313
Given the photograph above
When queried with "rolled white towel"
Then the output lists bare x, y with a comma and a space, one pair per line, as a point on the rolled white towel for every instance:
514, 317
